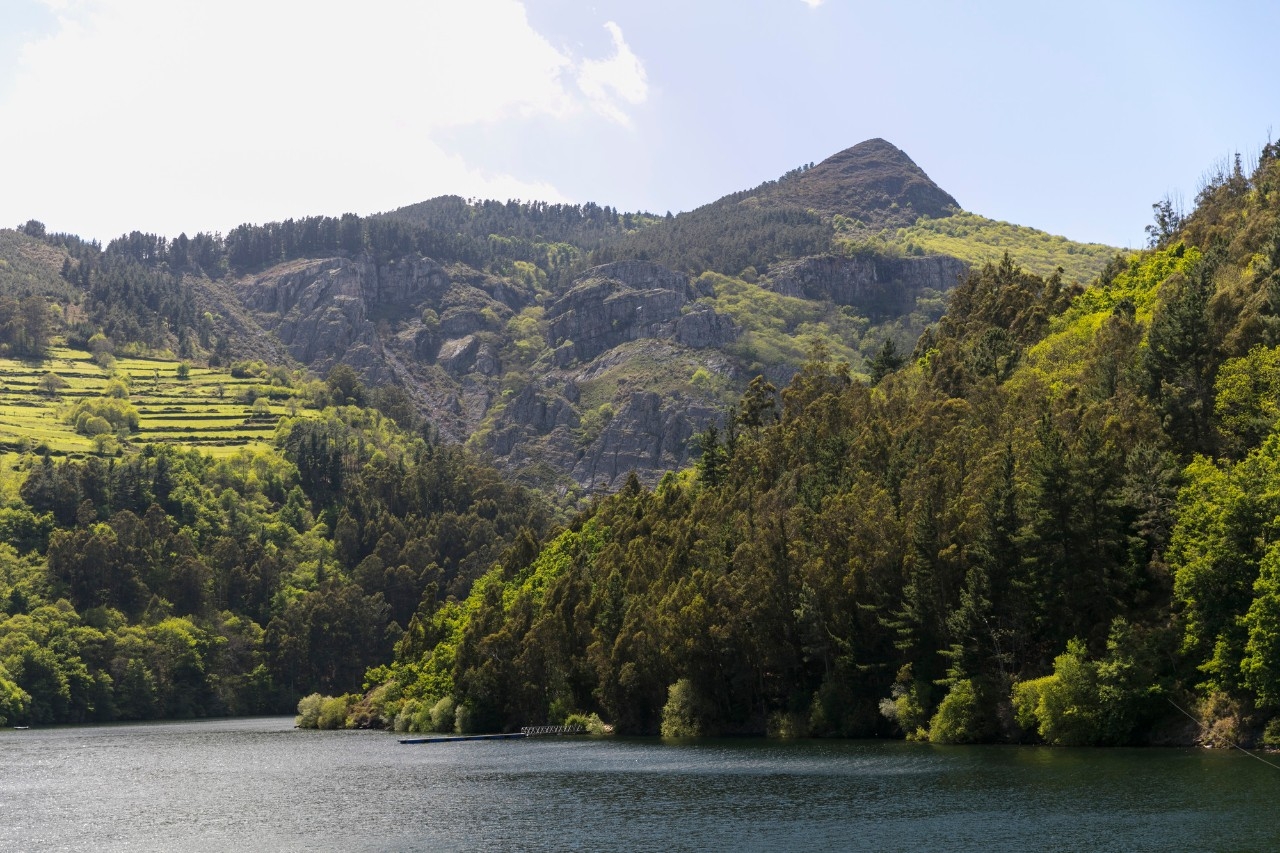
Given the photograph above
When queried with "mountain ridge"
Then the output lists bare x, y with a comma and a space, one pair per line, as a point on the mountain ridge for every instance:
535, 331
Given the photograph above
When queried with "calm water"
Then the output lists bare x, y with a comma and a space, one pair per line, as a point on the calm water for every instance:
257, 784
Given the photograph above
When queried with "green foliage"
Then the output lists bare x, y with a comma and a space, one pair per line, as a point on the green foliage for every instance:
1225, 519
591, 722
779, 330
959, 718
1247, 404
444, 714
309, 708
1061, 707
13, 699
980, 241
682, 716
333, 712
166, 583
1086, 702
105, 414
906, 705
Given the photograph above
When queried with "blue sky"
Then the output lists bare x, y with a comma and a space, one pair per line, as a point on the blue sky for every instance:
169, 116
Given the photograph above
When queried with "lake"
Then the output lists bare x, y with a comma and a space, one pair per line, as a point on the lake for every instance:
258, 784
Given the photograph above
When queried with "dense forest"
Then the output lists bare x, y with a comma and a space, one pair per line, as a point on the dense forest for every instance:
170, 584
1055, 521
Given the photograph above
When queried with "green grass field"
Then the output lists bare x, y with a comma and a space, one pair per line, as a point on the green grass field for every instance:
210, 410
979, 240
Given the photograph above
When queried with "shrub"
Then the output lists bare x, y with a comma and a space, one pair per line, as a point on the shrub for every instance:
1090, 702
94, 425
959, 718
464, 719
682, 715
333, 713
443, 715
309, 711
13, 700
591, 722
906, 704
1062, 707
1271, 734
404, 718
120, 415
788, 725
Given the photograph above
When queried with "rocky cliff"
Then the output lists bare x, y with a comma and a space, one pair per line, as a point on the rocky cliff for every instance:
577, 387
879, 287
576, 380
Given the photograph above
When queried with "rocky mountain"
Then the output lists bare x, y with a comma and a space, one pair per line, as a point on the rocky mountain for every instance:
873, 181
572, 344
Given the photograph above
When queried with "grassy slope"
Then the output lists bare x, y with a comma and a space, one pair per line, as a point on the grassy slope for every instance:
979, 240
210, 410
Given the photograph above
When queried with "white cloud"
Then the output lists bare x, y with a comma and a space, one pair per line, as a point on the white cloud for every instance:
621, 76
812, 4
166, 115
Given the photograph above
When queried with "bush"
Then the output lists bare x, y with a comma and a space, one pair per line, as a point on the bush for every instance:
1087, 702
959, 718
333, 713
682, 715
13, 700
404, 718
591, 722
1062, 707
906, 704
788, 725
94, 425
120, 415
443, 715
1271, 734
309, 711
464, 719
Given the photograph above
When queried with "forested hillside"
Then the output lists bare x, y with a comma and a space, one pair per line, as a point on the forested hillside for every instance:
1055, 521
397, 409
167, 583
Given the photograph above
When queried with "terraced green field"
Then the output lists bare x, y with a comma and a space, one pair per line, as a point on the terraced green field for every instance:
210, 410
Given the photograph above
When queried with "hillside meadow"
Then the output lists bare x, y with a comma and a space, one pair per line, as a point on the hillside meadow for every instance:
216, 410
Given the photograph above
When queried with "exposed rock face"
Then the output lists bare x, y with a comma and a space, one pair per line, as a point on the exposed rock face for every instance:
881, 288
614, 392
702, 328
457, 356
626, 301
320, 309
649, 435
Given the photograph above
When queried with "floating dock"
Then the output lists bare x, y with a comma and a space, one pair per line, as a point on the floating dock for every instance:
527, 731
452, 738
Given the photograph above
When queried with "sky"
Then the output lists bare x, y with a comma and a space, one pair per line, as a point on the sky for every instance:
174, 116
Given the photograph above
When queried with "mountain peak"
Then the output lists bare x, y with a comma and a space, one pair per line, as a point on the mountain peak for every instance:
874, 181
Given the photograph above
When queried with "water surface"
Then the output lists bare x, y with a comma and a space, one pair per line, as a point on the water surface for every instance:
258, 784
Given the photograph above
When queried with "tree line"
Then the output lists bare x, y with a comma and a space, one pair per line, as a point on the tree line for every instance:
1054, 522
166, 583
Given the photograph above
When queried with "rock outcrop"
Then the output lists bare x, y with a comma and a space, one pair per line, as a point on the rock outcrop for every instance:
627, 301
319, 309
880, 288
650, 434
